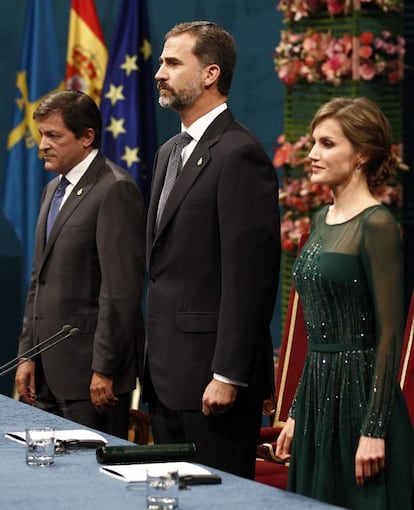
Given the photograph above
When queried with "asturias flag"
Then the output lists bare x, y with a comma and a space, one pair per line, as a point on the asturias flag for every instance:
87, 55
127, 103
39, 74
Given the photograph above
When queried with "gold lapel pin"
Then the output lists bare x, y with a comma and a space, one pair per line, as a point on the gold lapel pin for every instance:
200, 162
79, 192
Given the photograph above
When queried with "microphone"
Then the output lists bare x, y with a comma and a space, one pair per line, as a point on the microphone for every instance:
43, 346
65, 329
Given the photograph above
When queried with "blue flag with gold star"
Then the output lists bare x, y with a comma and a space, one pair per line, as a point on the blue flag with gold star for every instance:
40, 73
127, 105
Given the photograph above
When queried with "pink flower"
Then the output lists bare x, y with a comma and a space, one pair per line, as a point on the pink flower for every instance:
298, 9
335, 62
281, 139
288, 73
367, 71
366, 51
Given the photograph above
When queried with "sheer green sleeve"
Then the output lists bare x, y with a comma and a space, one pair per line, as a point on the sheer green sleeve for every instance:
383, 261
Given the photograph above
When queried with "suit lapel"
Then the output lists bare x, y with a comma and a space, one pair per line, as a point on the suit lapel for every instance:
78, 194
188, 175
194, 167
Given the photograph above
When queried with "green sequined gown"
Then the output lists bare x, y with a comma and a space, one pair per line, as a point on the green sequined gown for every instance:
350, 280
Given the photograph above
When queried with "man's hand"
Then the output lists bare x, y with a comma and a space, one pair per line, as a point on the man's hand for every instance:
102, 395
218, 397
25, 381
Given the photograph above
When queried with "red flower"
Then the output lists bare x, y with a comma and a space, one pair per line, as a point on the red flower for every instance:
366, 37
288, 244
281, 155
336, 6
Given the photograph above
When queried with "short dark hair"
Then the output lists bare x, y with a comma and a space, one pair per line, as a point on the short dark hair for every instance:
79, 112
213, 46
369, 131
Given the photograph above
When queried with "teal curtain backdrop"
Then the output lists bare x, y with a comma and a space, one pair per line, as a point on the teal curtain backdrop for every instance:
256, 99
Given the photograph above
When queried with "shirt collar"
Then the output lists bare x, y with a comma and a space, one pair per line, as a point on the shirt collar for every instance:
76, 173
197, 128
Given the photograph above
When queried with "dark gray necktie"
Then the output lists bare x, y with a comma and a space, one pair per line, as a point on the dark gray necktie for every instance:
173, 168
55, 205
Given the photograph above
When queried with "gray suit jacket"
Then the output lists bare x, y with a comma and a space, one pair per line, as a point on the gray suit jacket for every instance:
89, 275
213, 267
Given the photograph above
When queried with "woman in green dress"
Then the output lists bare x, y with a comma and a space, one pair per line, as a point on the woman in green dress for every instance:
348, 436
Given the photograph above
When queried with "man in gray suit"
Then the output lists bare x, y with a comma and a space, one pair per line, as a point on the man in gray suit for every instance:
87, 272
213, 250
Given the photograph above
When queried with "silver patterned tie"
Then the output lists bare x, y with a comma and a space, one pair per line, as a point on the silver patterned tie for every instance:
173, 168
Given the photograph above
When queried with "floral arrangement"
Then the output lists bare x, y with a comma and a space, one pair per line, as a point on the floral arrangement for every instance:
314, 56
381, 56
319, 57
300, 198
294, 10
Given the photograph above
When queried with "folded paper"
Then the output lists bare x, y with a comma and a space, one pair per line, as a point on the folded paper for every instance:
138, 472
81, 437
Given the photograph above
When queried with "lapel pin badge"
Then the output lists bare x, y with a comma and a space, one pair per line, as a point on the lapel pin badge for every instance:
200, 162
79, 192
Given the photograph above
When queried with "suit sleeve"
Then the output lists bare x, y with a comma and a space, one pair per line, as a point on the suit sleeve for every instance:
249, 228
27, 337
120, 246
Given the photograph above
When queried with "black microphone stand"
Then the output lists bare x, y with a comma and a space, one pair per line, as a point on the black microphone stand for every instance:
31, 353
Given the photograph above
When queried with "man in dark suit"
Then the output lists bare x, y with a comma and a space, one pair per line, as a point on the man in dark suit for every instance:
87, 272
213, 250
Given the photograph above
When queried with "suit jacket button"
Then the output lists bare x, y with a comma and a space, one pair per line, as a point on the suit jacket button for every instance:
152, 279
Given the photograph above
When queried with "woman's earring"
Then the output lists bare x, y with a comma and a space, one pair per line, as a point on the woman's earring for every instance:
359, 166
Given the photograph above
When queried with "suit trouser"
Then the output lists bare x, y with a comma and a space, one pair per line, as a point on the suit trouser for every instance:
115, 421
227, 442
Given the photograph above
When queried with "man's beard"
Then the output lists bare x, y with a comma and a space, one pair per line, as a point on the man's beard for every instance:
180, 100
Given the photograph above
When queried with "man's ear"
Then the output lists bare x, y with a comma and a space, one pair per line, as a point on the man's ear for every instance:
211, 74
88, 137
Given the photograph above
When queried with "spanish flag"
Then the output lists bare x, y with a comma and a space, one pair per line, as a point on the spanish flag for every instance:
87, 55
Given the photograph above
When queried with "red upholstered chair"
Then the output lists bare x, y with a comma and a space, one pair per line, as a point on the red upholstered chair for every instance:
292, 357
406, 375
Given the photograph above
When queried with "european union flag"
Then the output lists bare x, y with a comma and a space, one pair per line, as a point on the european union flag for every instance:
40, 73
127, 105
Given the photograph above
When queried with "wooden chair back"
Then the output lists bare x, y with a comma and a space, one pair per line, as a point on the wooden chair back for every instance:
292, 355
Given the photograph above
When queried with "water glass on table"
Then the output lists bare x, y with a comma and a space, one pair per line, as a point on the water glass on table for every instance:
162, 488
40, 446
